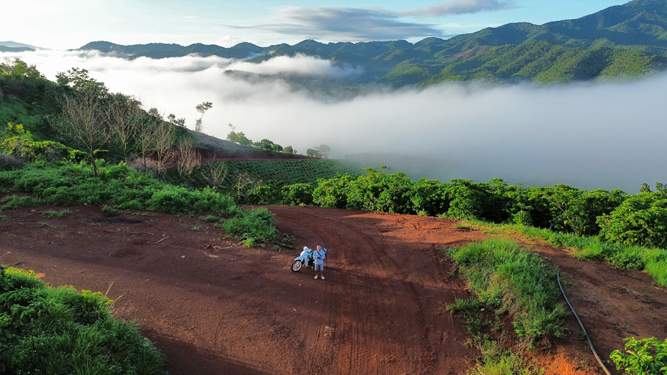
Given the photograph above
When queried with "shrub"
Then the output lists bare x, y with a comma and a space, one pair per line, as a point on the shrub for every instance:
639, 220
508, 279
50, 214
645, 356
653, 261
332, 192
298, 194
18, 142
118, 185
256, 224
522, 218
59, 331
209, 218
14, 202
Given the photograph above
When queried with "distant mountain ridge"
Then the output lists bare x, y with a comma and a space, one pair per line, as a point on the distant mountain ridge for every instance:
625, 40
10, 46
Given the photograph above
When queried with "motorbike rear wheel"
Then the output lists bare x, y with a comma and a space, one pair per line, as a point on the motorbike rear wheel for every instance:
296, 266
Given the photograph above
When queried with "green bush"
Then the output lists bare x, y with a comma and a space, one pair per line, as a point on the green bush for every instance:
70, 184
642, 357
496, 360
14, 202
50, 214
256, 224
332, 192
509, 279
18, 142
209, 218
58, 331
639, 220
297, 194
652, 261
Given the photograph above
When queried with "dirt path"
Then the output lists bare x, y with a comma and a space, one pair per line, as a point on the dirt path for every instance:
613, 304
214, 307
227, 309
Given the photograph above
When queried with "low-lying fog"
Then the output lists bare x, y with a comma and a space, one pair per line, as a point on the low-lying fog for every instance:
598, 135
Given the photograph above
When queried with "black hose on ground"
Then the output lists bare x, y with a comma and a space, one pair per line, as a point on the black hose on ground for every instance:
582, 327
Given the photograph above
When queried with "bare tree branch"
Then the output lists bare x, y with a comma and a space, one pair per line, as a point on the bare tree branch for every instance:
83, 123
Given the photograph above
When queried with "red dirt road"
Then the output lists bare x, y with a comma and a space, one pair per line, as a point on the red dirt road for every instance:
232, 310
216, 308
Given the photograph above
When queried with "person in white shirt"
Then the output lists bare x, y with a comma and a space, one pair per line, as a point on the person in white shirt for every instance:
319, 256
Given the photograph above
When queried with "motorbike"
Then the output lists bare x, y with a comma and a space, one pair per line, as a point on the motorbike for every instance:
305, 259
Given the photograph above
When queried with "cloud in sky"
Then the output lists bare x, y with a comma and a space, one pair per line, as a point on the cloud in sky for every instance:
459, 7
345, 24
608, 135
339, 23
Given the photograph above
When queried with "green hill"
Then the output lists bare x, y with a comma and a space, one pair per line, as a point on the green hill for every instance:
626, 40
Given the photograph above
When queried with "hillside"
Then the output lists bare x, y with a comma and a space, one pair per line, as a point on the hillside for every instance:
10, 46
626, 40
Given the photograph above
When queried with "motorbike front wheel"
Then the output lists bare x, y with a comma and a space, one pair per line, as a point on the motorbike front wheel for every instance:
296, 266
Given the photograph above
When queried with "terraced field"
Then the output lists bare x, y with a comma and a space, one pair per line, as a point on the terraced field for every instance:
291, 171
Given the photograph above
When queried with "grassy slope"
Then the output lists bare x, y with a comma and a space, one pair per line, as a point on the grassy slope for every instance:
652, 261
59, 331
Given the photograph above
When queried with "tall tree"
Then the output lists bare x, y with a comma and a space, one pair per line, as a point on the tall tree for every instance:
124, 115
164, 135
83, 123
202, 108
188, 157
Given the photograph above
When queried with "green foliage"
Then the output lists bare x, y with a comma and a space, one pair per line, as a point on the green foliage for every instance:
332, 192
59, 331
15, 202
297, 194
496, 360
125, 188
3, 218
50, 214
286, 171
653, 261
495, 357
177, 200
468, 311
576, 211
256, 225
430, 196
269, 192
18, 142
645, 356
506, 278
209, 218
639, 220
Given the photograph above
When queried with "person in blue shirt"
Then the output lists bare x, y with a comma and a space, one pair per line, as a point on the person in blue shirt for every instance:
319, 254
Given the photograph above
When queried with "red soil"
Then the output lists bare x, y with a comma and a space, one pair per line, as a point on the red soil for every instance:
213, 307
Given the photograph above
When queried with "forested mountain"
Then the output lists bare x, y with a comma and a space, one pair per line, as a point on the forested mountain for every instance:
625, 40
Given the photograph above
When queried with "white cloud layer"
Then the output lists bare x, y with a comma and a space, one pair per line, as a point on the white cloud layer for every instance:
608, 135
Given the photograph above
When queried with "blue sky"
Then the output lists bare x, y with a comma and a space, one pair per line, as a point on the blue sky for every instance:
67, 24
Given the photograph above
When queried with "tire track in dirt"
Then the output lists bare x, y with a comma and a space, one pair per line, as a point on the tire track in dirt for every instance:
214, 307
364, 314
